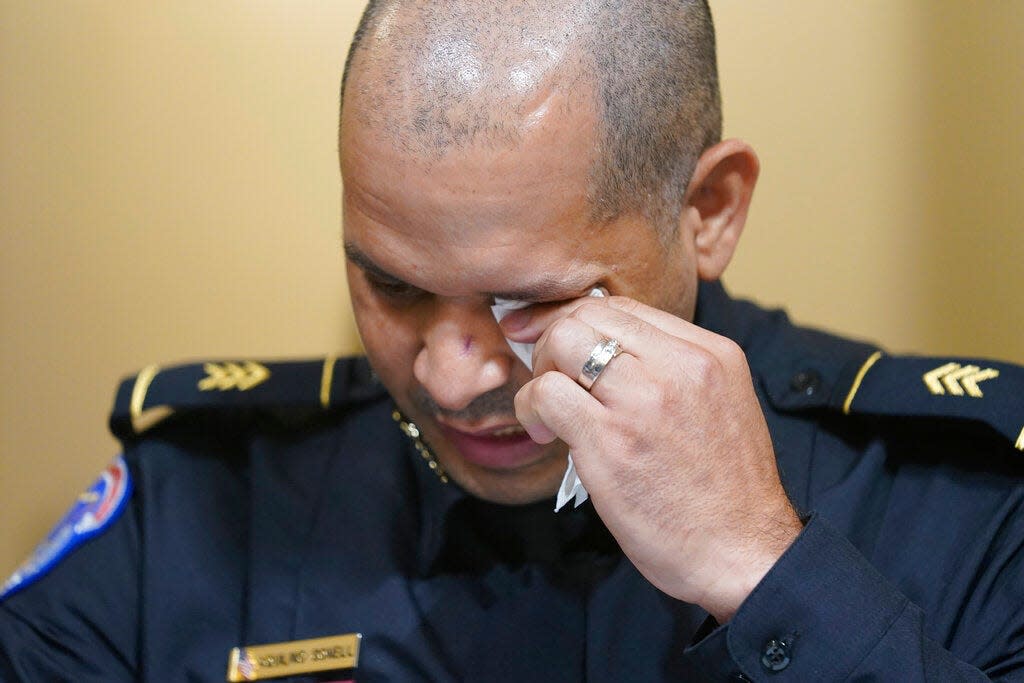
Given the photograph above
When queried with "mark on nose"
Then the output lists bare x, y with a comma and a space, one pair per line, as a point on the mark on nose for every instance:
467, 345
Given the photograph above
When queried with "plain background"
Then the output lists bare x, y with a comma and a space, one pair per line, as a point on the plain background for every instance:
169, 192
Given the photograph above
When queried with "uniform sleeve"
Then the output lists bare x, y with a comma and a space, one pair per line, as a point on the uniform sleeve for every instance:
79, 621
824, 613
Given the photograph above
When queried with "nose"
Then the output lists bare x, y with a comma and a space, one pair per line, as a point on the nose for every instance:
463, 355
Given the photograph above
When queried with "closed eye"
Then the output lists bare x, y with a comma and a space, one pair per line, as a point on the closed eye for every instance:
384, 284
393, 289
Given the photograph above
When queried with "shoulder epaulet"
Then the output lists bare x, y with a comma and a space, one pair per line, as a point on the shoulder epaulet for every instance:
156, 392
984, 391
857, 379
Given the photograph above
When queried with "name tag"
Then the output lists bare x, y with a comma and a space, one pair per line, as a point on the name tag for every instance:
260, 662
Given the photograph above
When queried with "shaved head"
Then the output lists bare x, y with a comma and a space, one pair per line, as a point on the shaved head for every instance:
431, 77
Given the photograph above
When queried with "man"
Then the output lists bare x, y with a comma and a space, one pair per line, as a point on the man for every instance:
765, 501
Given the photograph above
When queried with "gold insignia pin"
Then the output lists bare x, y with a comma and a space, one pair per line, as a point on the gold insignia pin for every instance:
957, 380
226, 376
274, 660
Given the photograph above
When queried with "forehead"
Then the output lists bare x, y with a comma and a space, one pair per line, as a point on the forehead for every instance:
492, 211
449, 234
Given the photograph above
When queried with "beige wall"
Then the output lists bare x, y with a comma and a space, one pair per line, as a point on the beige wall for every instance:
892, 151
168, 191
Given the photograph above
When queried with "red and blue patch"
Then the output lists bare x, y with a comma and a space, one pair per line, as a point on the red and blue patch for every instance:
95, 510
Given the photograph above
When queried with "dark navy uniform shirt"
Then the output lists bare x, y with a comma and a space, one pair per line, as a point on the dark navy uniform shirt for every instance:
252, 519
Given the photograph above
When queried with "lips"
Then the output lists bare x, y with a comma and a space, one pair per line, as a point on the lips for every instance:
503, 447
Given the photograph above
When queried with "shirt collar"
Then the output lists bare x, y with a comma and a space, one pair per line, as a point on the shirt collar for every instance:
461, 533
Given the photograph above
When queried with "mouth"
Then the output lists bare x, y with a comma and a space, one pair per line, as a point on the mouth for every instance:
501, 447
511, 430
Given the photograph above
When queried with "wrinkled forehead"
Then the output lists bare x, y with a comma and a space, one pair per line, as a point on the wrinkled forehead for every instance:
470, 216
540, 181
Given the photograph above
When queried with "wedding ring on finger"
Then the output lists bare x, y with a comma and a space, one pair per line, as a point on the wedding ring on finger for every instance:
598, 361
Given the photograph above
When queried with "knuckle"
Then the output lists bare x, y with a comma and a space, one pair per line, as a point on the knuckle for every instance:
624, 303
561, 332
587, 310
677, 356
703, 365
731, 352
548, 387
634, 326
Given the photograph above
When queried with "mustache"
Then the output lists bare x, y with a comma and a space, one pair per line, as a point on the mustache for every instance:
496, 402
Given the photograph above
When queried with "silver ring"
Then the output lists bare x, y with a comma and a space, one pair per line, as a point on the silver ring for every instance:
598, 361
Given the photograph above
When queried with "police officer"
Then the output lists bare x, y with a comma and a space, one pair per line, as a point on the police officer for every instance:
764, 501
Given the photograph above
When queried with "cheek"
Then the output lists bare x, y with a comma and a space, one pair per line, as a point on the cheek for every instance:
678, 295
670, 281
667, 286
389, 337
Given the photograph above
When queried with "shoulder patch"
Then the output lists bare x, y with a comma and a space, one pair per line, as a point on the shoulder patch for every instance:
95, 510
916, 386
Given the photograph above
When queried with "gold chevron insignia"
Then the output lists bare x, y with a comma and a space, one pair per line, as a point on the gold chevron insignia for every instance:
225, 376
957, 379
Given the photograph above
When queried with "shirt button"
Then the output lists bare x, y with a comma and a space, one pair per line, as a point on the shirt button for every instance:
806, 382
775, 656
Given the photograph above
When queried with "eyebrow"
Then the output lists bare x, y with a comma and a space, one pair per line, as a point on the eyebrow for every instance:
360, 259
544, 289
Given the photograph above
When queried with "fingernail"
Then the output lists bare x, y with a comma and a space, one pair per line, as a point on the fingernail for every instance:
515, 321
540, 433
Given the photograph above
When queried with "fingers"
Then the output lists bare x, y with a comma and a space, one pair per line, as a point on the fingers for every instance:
603, 322
690, 353
553, 406
664, 361
567, 345
529, 324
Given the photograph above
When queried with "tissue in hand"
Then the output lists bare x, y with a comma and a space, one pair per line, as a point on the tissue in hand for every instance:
572, 487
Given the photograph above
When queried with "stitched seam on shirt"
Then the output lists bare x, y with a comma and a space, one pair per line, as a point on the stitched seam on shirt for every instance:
881, 639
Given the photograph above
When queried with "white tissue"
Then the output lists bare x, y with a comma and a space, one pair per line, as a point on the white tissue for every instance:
500, 309
571, 486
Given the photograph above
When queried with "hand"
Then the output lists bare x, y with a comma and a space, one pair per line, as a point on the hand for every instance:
670, 442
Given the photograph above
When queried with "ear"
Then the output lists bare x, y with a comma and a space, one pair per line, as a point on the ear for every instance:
716, 203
